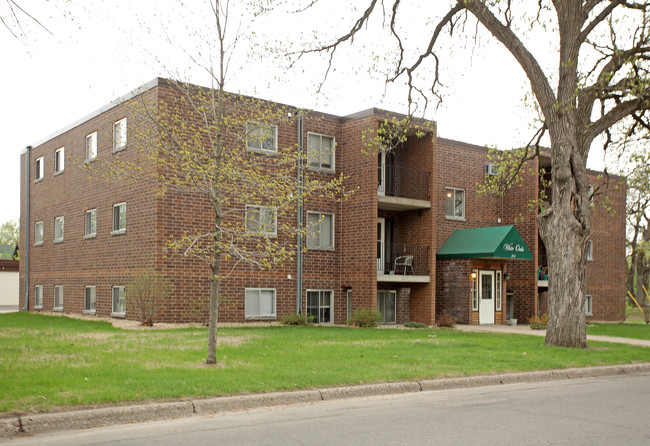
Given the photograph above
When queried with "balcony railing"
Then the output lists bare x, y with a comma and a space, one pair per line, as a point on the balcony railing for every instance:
406, 182
402, 259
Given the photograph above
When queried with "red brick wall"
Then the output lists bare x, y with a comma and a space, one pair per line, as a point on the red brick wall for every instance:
106, 260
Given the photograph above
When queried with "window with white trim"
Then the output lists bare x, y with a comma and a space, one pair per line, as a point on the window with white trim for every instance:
119, 218
39, 169
38, 297
119, 301
59, 160
591, 194
320, 151
497, 297
119, 135
38, 233
454, 203
261, 137
590, 250
260, 303
58, 229
320, 230
319, 305
91, 146
588, 305
58, 297
261, 220
474, 278
90, 299
349, 302
90, 223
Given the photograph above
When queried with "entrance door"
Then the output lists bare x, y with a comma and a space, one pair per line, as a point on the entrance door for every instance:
381, 244
486, 297
386, 301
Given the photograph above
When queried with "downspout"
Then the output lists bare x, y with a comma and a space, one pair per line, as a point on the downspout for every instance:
27, 224
299, 220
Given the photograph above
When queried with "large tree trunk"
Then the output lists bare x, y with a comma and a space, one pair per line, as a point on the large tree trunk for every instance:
564, 228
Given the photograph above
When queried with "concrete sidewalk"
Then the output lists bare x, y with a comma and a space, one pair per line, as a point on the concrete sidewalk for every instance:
526, 330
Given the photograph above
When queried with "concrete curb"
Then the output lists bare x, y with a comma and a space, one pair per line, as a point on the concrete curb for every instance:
87, 418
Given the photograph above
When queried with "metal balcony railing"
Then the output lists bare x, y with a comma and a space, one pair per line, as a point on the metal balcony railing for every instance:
406, 182
402, 259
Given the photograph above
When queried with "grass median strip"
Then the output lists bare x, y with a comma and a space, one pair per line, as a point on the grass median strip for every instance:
633, 331
48, 362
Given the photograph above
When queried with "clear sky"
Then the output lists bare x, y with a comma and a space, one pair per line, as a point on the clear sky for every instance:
99, 51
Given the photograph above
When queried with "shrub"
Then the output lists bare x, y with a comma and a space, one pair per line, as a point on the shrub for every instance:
365, 318
296, 319
144, 293
538, 323
413, 324
446, 320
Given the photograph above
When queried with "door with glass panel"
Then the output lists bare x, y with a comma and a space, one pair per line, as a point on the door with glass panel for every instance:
486, 297
386, 306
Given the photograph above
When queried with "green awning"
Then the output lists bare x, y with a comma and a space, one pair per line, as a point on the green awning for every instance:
496, 242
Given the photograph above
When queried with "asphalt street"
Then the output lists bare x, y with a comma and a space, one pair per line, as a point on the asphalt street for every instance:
606, 410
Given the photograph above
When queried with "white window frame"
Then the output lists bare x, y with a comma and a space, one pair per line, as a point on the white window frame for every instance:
59, 229
38, 297
59, 160
474, 278
250, 294
90, 299
315, 231
315, 160
58, 298
591, 194
589, 305
38, 233
260, 230
252, 127
321, 292
119, 224
498, 285
115, 312
91, 146
40, 169
453, 192
90, 232
590, 250
119, 135
349, 302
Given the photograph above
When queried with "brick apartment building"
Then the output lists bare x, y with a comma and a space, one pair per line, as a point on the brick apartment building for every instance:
414, 240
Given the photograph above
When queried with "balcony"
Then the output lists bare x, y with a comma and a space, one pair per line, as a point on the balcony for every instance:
397, 262
402, 188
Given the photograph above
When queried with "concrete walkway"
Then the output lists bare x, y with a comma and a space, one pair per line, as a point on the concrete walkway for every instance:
526, 330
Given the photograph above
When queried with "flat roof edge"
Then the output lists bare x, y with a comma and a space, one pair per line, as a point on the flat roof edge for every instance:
114, 103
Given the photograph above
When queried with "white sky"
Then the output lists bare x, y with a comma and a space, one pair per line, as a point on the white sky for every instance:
102, 50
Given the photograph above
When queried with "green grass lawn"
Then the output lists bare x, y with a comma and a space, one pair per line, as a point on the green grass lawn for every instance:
627, 330
48, 361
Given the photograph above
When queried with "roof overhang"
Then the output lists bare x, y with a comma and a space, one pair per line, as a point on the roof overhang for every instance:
496, 242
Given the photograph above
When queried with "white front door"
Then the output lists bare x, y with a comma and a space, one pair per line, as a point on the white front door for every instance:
381, 243
486, 297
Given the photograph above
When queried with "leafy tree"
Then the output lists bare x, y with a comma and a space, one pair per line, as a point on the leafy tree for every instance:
600, 78
10, 234
199, 143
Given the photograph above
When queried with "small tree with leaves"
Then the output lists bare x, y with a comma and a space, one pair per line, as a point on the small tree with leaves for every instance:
223, 149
